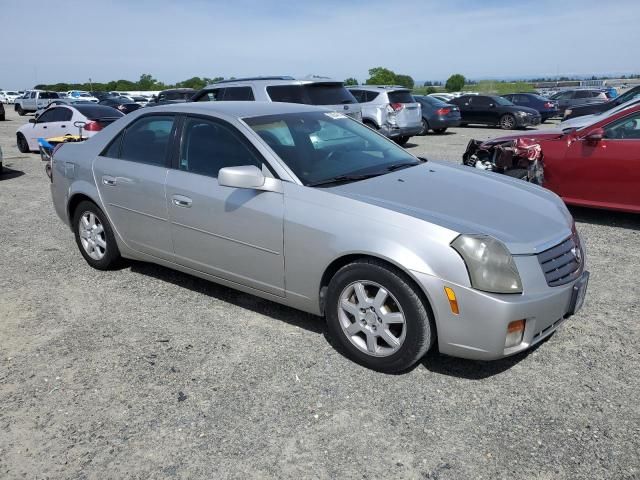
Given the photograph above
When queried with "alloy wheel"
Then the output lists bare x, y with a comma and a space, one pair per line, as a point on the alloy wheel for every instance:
92, 235
507, 122
371, 318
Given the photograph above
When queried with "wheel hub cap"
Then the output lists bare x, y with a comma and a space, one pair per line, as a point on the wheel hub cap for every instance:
92, 236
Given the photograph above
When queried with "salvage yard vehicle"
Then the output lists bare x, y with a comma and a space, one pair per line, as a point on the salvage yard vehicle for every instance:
494, 110
309, 208
61, 120
595, 108
34, 100
546, 108
314, 91
120, 103
597, 165
390, 109
437, 115
8, 96
572, 98
174, 95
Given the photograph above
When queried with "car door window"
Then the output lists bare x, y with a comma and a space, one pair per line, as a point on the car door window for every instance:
359, 94
47, 116
62, 114
521, 99
627, 128
214, 95
481, 102
147, 140
208, 146
582, 94
238, 93
113, 149
371, 96
286, 93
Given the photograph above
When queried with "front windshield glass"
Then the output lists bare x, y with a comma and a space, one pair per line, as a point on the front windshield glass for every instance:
325, 147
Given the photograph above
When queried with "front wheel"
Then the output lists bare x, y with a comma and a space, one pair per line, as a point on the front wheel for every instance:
401, 140
425, 128
377, 318
23, 146
20, 111
507, 122
94, 237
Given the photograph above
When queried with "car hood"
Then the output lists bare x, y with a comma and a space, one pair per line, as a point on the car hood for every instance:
527, 218
537, 135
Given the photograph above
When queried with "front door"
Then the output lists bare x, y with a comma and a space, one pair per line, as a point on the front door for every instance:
606, 172
232, 233
131, 175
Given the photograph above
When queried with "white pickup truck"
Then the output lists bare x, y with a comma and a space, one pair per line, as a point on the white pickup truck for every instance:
34, 100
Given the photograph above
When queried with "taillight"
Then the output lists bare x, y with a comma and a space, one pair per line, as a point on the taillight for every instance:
443, 111
396, 106
93, 127
549, 105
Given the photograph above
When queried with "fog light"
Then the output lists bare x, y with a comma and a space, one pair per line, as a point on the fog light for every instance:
515, 332
453, 303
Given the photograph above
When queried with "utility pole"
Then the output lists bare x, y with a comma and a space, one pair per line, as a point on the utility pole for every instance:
90, 84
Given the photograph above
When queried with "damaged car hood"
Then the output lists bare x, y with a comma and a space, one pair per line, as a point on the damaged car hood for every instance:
527, 218
536, 136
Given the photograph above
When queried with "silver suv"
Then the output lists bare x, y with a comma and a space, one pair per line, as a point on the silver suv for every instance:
315, 91
390, 109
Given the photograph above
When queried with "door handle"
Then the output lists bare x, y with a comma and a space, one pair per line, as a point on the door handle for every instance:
107, 180
63, 126
181, 201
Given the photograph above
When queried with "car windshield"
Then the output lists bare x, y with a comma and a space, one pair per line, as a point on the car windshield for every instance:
502, 101
327, 148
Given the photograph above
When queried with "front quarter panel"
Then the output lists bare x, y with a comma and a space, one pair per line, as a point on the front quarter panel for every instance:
321, 227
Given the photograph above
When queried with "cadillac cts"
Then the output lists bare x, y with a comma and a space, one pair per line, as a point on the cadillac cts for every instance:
309, 208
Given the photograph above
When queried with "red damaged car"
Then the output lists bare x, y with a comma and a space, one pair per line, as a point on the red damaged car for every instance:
594, 166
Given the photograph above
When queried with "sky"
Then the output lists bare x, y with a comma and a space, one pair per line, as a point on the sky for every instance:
72, 41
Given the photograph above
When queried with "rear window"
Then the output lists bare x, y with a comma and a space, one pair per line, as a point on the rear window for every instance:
433, 101
96, 112
400, 96
312, 94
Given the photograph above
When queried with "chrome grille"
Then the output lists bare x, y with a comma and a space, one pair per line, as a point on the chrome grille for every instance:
563, 263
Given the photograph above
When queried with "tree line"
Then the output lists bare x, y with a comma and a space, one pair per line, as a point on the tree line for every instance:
146, 82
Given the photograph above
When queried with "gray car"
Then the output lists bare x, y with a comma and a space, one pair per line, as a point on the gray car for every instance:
309, 208
390, 109
573, 98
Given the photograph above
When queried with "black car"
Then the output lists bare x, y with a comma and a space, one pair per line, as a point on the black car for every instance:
175, 95
121, 104
547, 108
2, 114
437, 115
596, 108
495, 110
101, 95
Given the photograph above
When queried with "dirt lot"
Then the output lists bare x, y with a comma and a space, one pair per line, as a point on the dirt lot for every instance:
148, 373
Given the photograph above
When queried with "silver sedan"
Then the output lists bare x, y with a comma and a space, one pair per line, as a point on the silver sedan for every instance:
308, 208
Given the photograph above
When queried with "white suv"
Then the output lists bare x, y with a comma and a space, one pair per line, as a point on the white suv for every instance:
315, 91
392, 110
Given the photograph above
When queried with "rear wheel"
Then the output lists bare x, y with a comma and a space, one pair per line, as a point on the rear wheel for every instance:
401, 140
20, 111
507, 122
23, 146
370, 124
440, 130
94, 237
376, 316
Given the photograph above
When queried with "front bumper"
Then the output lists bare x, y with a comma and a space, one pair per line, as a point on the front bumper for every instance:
391, 131
478, 332
528, 121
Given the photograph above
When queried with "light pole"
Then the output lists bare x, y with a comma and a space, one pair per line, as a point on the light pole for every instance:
90, 84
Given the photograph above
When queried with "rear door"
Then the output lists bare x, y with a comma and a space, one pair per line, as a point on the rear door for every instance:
131, 174
606, 173
231, 233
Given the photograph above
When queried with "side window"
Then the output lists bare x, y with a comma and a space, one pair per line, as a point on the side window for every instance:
627, 128
482, 101
371, 96
582, 94
47, 116
147, 140
286, 93
522, 99
238, 93
208, 146
212, 95
359, 94
113, 149
62, 114
33, 95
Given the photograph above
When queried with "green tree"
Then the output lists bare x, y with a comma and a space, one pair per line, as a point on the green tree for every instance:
455, 83
147, 82
351, 81
405, 81
430, 90
381, 76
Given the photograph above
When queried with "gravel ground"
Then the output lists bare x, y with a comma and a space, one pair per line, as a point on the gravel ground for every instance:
148, 373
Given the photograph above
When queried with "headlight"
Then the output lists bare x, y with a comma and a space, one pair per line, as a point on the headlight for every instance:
522, 114
490, 265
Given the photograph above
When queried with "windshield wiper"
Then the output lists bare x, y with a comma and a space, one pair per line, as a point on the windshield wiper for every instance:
400, 166
343, 179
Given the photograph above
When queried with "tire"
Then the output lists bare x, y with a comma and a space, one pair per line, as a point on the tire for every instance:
100, 258
440, 131
464, 124
425, 128
519, 173
20, 111
2, 117
371, 125
368, 345
401, 140
507, 122
23, 146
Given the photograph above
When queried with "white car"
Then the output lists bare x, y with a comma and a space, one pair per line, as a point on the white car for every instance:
60, 120
8, 96
82, 95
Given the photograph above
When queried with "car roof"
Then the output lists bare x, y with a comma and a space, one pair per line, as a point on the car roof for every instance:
239, 109
378, 87
179, 90
272, 81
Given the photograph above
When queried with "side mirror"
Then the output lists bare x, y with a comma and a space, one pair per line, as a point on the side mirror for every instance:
594, 136
32, 120
247, 176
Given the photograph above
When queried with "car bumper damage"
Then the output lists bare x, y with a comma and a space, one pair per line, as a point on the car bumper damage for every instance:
506, 156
